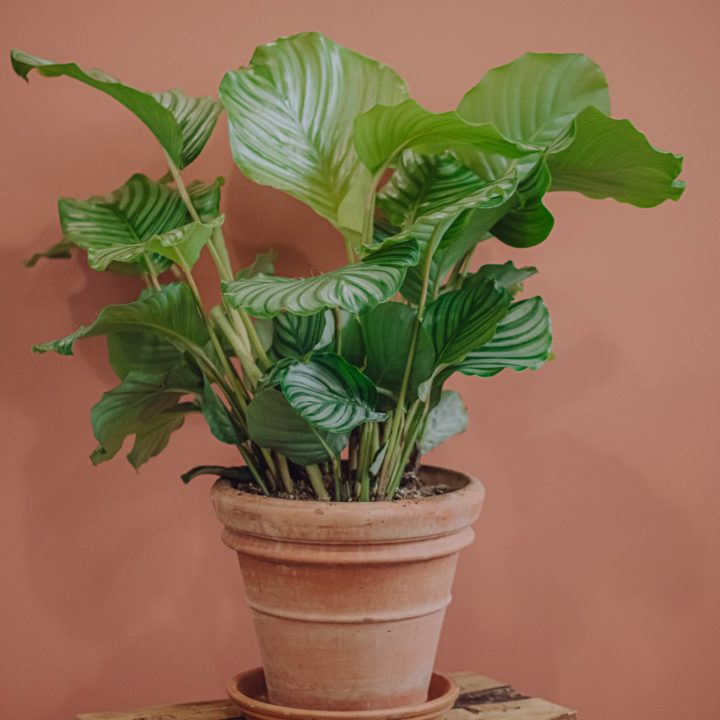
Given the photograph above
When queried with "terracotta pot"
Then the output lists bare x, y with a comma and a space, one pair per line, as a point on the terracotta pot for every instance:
348, 599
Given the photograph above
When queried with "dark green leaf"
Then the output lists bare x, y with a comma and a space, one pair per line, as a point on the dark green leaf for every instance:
464, 319
330, 393
273, 424
506, 275
60, 250
235, 474
297, 335
218, 418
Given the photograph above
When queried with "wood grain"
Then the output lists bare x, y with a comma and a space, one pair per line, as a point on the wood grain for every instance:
481, 698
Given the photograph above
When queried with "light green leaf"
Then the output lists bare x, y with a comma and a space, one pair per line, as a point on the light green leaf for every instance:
170, 313
447, 418
384, 132
522, 341
610, 158
330, 393
218, 417
158, 119
464, 319
196, 118
263, 263
142, 405
297, 335
535, 98
352, 288
291, 113
273, 424
387, 334
184, 244
506, 275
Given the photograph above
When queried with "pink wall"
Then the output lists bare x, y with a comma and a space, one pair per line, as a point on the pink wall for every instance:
595, 579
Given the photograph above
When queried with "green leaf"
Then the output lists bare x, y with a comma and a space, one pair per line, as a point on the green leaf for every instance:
205, 198
297, 335
142, 405
522, 341
506, 275
60, 250
196, 118
384, 132
291, 113
263, 263
387, 334
170, 313
610, 158
447, 418
273, 424
158, 119
464, 319
114, 228
235, 474
183, 245
330, 393
535, 98
218, 418
352, 288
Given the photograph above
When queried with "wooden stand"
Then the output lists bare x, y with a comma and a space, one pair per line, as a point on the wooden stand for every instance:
481, 698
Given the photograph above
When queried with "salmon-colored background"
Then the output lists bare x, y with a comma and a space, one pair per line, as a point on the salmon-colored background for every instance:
595, 577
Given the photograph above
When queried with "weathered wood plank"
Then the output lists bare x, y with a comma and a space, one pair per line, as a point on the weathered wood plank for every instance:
481, 698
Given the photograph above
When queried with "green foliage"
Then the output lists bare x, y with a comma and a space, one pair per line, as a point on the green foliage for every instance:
292, 371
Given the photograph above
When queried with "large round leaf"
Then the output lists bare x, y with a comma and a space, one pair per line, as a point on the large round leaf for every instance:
273, 424
291, 113
330, 393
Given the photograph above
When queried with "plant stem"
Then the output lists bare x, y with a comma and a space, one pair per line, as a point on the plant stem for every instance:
316, 480
151, 271
287, 481
250, 462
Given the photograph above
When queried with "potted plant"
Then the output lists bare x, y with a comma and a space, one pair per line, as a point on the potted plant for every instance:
331, 387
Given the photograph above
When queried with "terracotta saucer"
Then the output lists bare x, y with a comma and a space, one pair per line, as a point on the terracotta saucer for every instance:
249, 692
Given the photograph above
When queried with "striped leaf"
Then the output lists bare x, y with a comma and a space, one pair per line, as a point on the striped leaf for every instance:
610, 158
447, 418
273, 424
330, 393
522, 341
183, 245
170, 313
352, 288
158, 119
291, 113
196, 118
465, 319
297, 335
385, 131
116, 228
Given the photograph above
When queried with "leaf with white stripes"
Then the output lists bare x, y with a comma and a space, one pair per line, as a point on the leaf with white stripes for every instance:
522, 341
196, 117
291, 113
297, 335
376, 278
330, 393
273, 424
464, 319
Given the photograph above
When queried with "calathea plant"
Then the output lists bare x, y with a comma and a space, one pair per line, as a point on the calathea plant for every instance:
299, 373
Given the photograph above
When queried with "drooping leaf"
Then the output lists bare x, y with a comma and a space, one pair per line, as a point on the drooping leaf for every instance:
354, 287
385, 131
263, 263
273, 424
297, 335
196, 117
330, 393
60, 250
447, 418
218, 418
610, 158
142, 405
522, 341
506, 275
158, 119
291, 113
464, 319
235, 474
170, 313
387, 334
